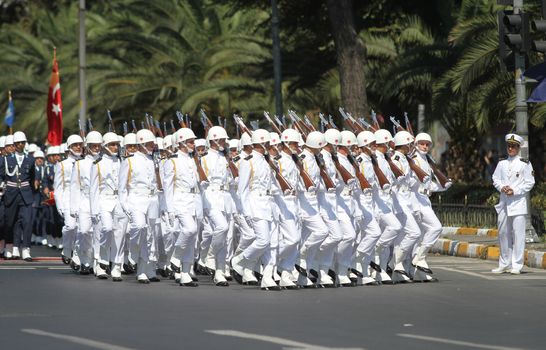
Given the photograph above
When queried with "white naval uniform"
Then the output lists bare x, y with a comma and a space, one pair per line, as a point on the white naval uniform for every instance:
518, 174
106, 207
217, 204
370, 232
245, 231
61, 186
184, 201
314, 229
138, 196
80, 208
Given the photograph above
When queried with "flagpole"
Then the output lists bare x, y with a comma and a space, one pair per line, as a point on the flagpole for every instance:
9, 100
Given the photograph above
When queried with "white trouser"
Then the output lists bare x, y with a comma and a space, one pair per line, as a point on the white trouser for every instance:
313, 232
165, 242
512, 240
270, 256
370, 232
143, 228
219, 225
329, 245
230, 240
346, 244
112, 236
246, 232
84, 238
69, 234
260, 245
410, 233
391, 228
205, 240
188, 227
431, 227
289, 238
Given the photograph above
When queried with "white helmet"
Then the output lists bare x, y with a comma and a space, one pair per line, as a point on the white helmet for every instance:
109, 137
168, 141
72, 139
144, 136
290, 135
216, 133
121, 140
63, 148
246, 140
93, 137
348, 138
129, 139
160, 143
200, 143
332, 136
233, 143
2, 141
185, 134
315, 139
39, 154
402, 138
275, 138
364, 138
9, 140
260, 136
423, 136
32, 148
19, 136
382, 136
51, 150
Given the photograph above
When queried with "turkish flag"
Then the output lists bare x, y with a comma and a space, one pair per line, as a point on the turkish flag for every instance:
54, 107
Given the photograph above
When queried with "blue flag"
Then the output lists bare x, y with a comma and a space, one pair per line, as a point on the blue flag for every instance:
538, 73
10, 113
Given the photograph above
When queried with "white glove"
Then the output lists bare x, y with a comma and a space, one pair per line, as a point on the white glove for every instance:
331, 190
204, 184
448, 184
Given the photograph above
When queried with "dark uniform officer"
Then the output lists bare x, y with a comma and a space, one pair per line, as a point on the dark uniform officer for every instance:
18, 173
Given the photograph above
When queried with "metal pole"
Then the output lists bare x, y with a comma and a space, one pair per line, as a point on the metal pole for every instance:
276, 57
522, 123
420, 117
82, 66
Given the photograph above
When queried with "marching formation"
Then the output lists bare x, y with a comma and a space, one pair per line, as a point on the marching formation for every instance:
288, 209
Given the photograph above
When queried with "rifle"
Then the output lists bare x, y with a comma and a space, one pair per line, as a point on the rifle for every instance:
364, 184
281, 123
442, 179
155, 154
173, 129
158, 129
283, 183
324, 122
309, 123
181, 121
207, 123
345, 174
408, 124
111, 125
374, 120
302, 125
420, 173
165, 128
350, 121
82, 129
381, 178
328, 183
125, 128
273, 125
134, 126
297, 124
90, 125
200, 171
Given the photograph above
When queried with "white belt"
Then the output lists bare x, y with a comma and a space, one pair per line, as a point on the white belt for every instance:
217, 187
187, 189
261, 193
17, 184
143, 191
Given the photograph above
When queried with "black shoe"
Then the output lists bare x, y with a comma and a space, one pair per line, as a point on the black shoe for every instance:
301, 270
332, 275
154, 279
229, 278
432, 280
389, 271
250, 283
117, 279
129, 268
85, 270
29, 259
273, 288
402, 272
66, 260
195, 279
163, 273
424, 269
352, 284
146, 281
222, 284
356, 272
189, 284
74, 266
374, 266
257, 275
333, 285
175, 268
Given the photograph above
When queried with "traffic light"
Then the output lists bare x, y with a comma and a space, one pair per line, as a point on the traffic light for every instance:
539, 26
513, 36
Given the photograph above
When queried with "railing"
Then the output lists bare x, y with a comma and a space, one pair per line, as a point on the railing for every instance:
476, 215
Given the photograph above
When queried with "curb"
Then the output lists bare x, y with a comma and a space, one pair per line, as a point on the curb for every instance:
533, 258
470, 231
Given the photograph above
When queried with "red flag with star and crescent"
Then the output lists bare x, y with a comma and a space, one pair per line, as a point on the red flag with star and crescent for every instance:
54, 106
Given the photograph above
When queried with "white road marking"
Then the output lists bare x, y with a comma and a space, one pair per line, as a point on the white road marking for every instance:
16, 268
76, 340
466, 273
457, 342
291, 344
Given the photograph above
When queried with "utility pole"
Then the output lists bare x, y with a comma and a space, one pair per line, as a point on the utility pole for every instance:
82, 65
514, 36
276, 57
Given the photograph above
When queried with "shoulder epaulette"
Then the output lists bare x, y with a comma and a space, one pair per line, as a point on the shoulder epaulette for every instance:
173, 156
248, 157
397, 157
525, 160
302, 156
414, 156
128, 156
236, 158
277, 157
97, 160
359, 160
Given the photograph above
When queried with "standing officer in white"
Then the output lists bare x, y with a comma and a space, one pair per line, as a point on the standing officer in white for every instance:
138, 196
105, 208
184, 203
63, 173
513, 178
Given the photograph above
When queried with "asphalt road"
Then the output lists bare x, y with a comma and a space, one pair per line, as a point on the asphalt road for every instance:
46, 306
